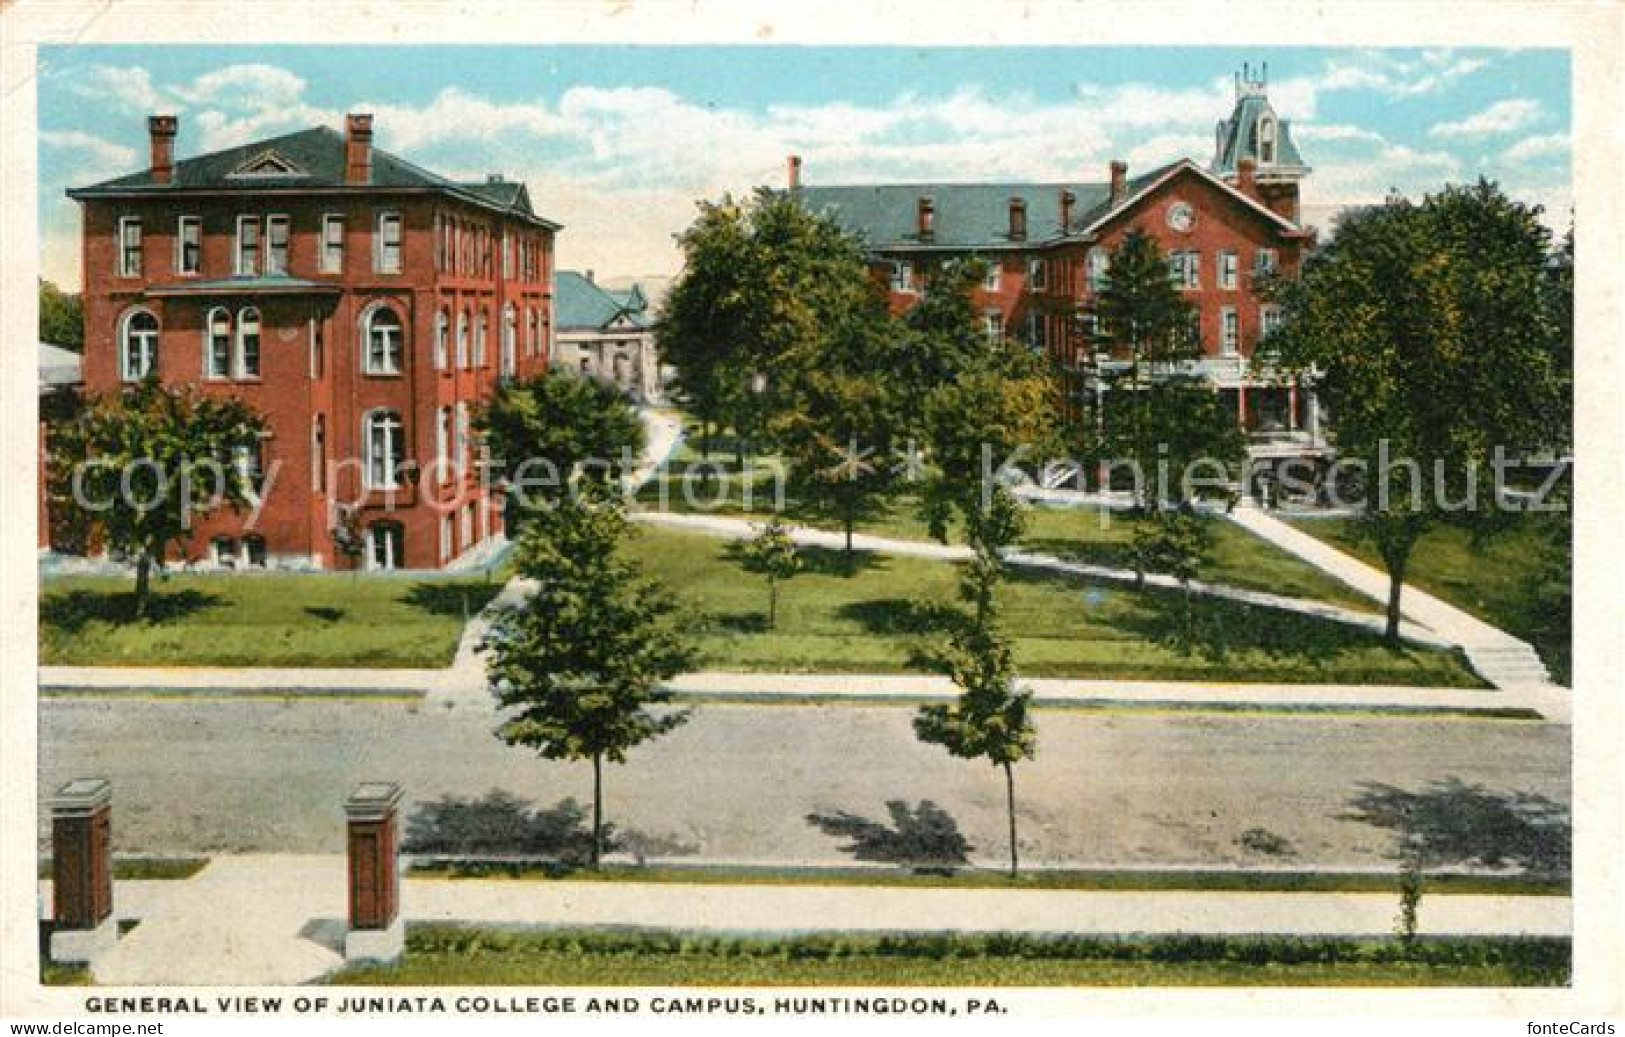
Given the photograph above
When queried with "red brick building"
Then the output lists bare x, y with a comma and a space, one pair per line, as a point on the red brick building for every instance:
1048, 246
363, 305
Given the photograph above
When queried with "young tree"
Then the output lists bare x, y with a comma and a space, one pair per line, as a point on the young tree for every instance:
771, 553
1432, 327
143, 464
991, 719
551, 427
61, 317
581, 661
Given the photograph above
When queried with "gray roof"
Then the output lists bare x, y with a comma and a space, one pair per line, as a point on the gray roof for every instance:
966, 216
314, 158
579, 303
58, 367
1237, 136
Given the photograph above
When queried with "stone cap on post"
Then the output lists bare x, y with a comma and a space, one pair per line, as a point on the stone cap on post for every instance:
81, 797
372, 801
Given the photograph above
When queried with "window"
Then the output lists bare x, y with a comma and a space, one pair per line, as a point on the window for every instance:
381, 330
442, 332
248, 246
1035, 331
223, 550
1193, 331
510, 334
1227, 269
1036, 275
532, 334
249, 464
586, 365
442, 442
332, 244
465, 525
480, 323
386, 545
129, 247
382, 440
1184, 266
189, 245
902, 276
1269, 319
990, 279
138, 345
386, 258
1264, 262
1099, 267
507, 256
462, 340
460, 442
1266, 140
248, 343
317, 347
254, 550
276, 244
993, 325
447, 548
1229, 331
318, 453
217, 344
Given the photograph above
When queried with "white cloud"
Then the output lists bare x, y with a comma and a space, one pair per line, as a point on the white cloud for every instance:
126, 88
1502, 117
1389, 74
1531, 148
245, 87
91, 150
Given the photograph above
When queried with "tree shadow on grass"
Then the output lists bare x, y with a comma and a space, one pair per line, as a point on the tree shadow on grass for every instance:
1211, 628
828, 561
325, 613
1087, 552
451, 599
1453, 823
903, 616
924, 839
72, 611
735, 622
500, 826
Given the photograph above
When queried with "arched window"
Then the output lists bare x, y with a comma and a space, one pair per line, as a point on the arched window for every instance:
462, 340
480, 324
442, 332
510, 332
248, 342
383, 442
386, 545
381, 333
1266, 140
217, 344
138, 345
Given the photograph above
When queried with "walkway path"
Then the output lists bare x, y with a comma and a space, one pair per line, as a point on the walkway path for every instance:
273, 919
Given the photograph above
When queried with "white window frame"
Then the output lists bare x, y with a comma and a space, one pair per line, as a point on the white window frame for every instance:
448, 545
1185, 267
462, 339
126, 265
460, 436
240, 354
1266, 140
533, 331
285, 223
148, 342
394, 534
1269, 319
390, 362
1265, 262
993, 277
1229, 332
442, 339
482, 326
250, 269
332, 258
465, 525
507, 256
1229, 264
195, 223
1098, 267
508, 355
902, 277
442, 442
318, 453
220, 371
1037, 275
386, 255
993, 325
393, 447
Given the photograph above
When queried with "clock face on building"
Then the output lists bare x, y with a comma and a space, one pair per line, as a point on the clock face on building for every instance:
1181, 217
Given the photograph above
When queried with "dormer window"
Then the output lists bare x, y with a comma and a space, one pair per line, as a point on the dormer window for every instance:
1266, 140
926, 218
1018, 219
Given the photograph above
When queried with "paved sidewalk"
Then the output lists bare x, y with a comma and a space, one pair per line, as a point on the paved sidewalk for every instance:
275, 919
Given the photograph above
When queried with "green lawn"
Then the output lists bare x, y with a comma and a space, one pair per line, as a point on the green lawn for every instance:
447, 955
1499, 580
1087, 535
261, 619
881, 614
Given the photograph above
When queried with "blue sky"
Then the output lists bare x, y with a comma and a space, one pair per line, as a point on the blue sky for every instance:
617, 142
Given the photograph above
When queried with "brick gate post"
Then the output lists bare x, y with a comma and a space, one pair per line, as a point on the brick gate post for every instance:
83, 925
376, 930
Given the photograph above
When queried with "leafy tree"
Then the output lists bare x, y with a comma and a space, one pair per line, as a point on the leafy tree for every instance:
547, 429
924, 838
1432, 325
941, 340
991, 719
771, 553
149, 461
61, 317
582, 659
348, 539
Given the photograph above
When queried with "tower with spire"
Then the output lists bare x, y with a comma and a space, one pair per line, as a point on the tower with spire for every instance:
1254, 136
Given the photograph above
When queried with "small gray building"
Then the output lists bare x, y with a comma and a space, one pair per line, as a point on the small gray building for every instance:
606, 335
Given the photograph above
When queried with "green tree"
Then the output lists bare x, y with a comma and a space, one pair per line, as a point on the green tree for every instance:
771, 553
1432, 328
549, 428
581, 660
61, 317
142, 465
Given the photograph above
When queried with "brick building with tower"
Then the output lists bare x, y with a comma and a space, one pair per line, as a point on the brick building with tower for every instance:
363, 305
1223, 225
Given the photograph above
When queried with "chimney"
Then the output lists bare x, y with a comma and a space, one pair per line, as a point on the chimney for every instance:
1119, 181
161, 131
1067, 198
792, 172
357, 149
1247, 176
1018, 219
495, 178
588, 275
925, 221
